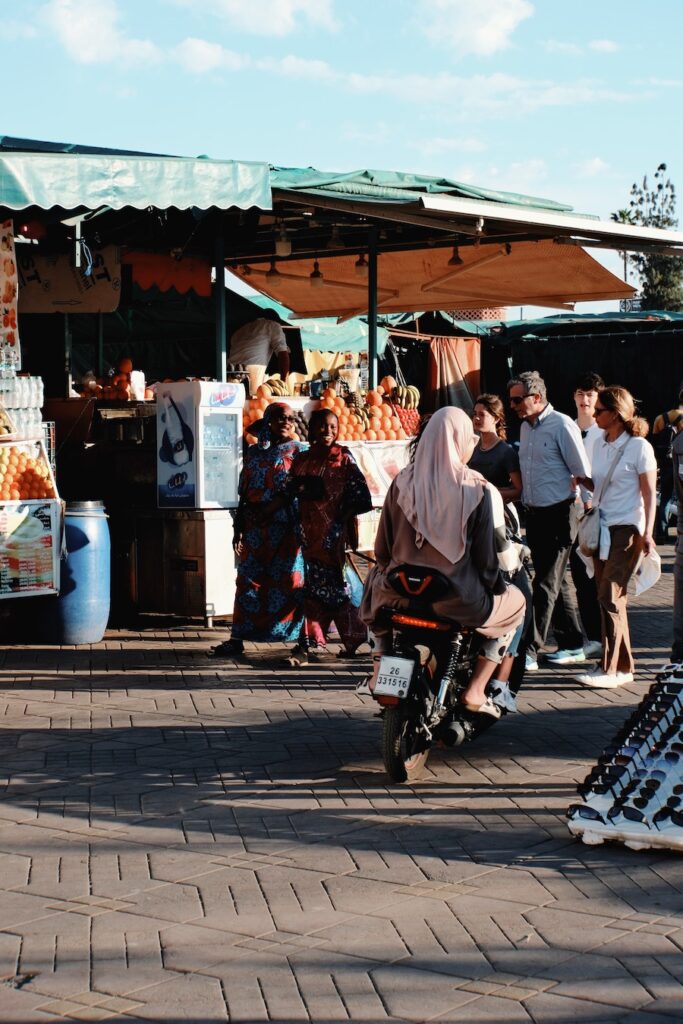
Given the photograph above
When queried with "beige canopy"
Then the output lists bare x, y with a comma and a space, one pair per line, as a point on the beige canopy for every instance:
539, 273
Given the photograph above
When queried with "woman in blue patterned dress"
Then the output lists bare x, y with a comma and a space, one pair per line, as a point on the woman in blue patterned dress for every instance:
270, 567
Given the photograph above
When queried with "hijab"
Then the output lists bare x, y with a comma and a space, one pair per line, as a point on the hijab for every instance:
438, 492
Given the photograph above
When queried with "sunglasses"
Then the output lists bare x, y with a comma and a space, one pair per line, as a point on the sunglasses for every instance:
517, 399
284, 419
584, 811
599, 409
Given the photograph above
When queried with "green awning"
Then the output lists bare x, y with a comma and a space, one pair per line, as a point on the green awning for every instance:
395, 186
87, 181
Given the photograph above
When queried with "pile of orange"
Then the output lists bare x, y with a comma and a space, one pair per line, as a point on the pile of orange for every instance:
253, 410
378, 422
22, 476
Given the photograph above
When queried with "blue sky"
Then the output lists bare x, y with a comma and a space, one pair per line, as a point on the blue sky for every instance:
570, 101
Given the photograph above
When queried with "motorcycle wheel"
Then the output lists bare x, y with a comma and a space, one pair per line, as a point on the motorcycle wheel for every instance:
405, 752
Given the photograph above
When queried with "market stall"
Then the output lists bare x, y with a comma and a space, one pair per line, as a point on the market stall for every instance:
95, 222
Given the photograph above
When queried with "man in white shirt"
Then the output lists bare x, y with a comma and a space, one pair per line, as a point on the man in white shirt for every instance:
552, 461
254, 344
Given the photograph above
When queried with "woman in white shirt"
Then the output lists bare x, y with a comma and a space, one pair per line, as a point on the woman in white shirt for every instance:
627, 513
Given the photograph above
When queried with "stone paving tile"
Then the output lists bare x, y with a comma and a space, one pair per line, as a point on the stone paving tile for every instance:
187, 840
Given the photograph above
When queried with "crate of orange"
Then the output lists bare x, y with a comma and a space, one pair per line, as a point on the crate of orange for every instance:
30, 522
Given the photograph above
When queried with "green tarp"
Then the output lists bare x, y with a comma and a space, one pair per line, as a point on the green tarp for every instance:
87, 181
325, 334
395, 186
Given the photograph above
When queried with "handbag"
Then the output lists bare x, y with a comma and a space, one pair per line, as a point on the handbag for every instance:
589, 523
354, 584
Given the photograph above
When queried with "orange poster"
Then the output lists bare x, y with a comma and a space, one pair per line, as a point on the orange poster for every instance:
10, 352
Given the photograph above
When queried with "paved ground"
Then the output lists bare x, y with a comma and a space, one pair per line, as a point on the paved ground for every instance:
182, 840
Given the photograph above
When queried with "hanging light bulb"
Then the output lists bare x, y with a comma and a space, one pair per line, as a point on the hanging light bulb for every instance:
361, 266
283, 246
456, 259
273, 273
316, 276
334, 241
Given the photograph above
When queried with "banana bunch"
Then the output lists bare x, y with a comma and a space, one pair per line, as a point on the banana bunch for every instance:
362, 415
278, 388
408, 397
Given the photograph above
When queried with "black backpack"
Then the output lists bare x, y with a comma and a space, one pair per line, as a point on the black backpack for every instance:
662, 442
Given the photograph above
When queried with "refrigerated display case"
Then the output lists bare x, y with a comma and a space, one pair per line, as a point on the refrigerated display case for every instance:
199, 444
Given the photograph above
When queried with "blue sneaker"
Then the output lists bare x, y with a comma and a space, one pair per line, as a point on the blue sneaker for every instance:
531, 664
566, 656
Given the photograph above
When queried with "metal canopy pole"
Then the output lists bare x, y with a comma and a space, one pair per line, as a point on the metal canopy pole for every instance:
100, 345
68, 379
372, 307
219, 306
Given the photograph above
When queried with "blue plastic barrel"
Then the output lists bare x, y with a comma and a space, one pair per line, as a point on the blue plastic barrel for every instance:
80, 614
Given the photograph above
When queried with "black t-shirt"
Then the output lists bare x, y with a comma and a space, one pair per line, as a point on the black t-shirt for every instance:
496, 464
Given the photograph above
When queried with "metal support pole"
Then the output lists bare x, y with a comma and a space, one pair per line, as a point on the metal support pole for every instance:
100, 345
67, 357
372, 307
219, 306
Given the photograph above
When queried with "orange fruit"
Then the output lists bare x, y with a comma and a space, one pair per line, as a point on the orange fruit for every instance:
370, 435
381, 436
373, 398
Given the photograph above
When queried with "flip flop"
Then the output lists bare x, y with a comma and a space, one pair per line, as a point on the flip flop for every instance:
487, 708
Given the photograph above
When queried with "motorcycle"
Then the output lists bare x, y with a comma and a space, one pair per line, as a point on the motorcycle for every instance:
420, 681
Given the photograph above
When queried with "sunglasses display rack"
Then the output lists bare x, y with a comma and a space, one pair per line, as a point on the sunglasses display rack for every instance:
634, 794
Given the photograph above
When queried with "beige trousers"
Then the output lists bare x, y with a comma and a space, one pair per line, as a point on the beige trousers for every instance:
612, 578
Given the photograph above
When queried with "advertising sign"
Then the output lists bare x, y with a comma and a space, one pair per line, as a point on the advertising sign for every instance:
29, 548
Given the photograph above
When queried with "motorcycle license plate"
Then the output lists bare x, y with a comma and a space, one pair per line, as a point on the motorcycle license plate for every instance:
394, 677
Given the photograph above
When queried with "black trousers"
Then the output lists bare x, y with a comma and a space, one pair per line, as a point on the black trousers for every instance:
586, 595
550, 533
666, 489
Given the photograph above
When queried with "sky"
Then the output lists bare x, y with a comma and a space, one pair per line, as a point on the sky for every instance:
573, 102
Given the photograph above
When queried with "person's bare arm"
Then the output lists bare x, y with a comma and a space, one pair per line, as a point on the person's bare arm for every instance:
514, 491
283, 364
648, 489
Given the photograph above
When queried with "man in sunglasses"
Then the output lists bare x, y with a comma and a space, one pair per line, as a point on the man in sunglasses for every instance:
552, 462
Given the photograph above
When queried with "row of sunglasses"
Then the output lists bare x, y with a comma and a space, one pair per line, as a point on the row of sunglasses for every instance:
637, 783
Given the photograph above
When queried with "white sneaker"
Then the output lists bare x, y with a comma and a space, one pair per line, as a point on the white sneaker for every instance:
362, 688
502, 696
600, 680
592, 649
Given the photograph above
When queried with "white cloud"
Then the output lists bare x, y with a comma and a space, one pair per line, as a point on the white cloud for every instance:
272, 17
199, 56
298, 67
574, 50
559, 46
481, 27
90, 33
604, 45
479, 95
592, 167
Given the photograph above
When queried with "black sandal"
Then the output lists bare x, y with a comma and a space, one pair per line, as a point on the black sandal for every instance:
228, 649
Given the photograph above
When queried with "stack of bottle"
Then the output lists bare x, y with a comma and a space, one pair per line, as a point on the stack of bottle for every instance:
23, 398
634, 794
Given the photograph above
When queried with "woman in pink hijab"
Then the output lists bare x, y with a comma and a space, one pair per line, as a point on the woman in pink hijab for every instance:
440, 514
